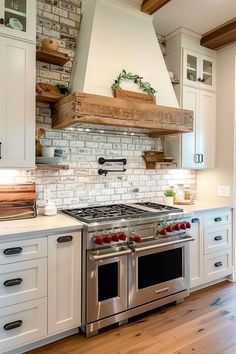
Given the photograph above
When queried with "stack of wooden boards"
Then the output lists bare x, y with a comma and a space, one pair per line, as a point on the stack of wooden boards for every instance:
17, 201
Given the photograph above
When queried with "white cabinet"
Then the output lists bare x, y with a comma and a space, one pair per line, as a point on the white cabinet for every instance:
18, 19
211, 252
198, 148
196, 254
17, 103
199, 70
64, 282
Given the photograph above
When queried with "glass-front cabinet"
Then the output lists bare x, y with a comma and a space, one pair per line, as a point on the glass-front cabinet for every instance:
18, 18
199, 70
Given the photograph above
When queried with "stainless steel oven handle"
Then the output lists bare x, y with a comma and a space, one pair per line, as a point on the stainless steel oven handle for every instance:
151, 247
94, 257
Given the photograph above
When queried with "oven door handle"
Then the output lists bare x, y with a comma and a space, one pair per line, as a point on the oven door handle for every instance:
93, 256
156, 246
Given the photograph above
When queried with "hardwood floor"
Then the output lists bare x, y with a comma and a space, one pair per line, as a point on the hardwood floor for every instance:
205, 323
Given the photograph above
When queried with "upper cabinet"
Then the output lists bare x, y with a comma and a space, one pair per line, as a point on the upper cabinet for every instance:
18, 19
17, 103
199, 70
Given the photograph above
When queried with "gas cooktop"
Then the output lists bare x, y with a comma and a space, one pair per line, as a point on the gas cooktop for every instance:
119, 211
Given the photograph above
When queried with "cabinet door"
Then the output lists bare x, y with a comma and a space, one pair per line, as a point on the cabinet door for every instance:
18, 19
191, 68
196, 253
205, 129
64, 282
17, 103
189, 101
208, 73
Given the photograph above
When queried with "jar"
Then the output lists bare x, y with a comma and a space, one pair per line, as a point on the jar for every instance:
179, 193
187, 193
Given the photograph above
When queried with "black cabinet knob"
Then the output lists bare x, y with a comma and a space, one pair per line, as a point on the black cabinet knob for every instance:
11, 251
1, 21
218, 238
195, 220
218, 219
218, 264
12, 282
64, 239
12, 325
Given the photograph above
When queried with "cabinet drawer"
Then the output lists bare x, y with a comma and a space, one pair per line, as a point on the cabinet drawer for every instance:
23, 281
217, 265
23, 323
216, 219
217, 239
15, 251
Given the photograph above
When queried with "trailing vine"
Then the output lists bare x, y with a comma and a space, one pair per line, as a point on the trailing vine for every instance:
143, 85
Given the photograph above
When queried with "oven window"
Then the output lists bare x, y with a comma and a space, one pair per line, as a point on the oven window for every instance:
108, 281
159, 267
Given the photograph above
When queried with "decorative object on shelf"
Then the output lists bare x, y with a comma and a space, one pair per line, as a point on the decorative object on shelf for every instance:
38, 147
169, 196
157, 158
52, 167
47, 93
50, 44
48, 160
103, 161
15, 24
136, 79
63, 89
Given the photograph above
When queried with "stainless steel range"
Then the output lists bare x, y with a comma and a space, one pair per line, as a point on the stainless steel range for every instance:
135, 258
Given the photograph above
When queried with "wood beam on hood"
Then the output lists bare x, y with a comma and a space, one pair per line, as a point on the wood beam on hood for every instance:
220, 36
151, 6
82, 108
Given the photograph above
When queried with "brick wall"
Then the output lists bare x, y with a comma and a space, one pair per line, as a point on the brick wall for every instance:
61, 20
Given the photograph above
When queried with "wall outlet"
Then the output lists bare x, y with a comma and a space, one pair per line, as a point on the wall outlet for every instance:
224, 191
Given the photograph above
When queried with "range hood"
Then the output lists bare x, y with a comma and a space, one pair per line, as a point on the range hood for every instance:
116, 35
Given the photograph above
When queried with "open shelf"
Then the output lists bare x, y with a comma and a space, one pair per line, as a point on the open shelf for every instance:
52, 167
52, 57
160, 165
48, 98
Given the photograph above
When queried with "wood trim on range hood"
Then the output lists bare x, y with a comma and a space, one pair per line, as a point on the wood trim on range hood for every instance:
82, 108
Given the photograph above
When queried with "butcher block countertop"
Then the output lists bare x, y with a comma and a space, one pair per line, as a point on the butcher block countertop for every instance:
205, 206
39, 226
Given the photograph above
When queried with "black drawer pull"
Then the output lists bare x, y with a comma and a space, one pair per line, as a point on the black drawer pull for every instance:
218, 219
218, 238
13, 282
64, 239
13, 325
195, 220
218, 264
14, 250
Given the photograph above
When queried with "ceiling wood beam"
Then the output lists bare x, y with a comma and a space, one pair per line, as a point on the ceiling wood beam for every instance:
220, 36
151, 6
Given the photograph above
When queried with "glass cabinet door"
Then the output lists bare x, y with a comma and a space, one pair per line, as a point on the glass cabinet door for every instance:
190, 70
18, 18
208, 72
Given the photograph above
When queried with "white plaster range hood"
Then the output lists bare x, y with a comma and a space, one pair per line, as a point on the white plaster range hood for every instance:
116, 35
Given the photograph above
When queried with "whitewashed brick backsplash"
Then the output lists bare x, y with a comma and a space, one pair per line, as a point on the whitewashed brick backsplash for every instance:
82, 186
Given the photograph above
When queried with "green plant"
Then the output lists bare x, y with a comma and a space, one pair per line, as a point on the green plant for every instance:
63, 89
143, 85
169, 193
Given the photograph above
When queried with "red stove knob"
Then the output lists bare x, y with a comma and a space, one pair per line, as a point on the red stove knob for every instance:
188, 225
183, 226
107, 239
163, 232
137, 238
177, 227
115, 237
99, 240
122, 236
169, 228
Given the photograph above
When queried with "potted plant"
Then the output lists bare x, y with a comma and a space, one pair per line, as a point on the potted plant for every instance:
169, 197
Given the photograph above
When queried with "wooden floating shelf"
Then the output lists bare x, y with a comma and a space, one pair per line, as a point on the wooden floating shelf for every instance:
52, 57
160, 165
52, 167
48, 98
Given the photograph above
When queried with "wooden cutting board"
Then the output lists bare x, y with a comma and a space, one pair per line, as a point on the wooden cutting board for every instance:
17, 193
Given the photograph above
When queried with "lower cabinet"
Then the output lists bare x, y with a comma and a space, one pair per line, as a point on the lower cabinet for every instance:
22, 323
40, 288
211, 252
64, 282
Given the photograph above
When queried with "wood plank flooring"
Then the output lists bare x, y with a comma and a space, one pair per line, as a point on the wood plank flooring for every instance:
205, 323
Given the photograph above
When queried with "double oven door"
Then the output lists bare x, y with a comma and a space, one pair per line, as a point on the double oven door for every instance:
157, 271
106, 282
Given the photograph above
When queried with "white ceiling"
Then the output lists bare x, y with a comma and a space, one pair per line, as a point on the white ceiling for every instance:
199, 16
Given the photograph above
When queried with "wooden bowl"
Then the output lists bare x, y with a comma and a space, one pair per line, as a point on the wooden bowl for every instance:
153, 156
